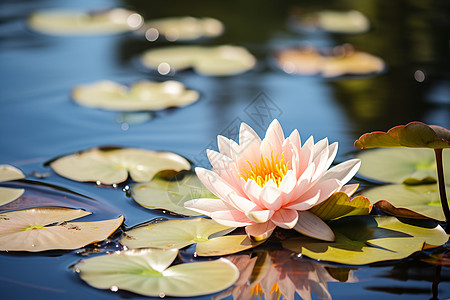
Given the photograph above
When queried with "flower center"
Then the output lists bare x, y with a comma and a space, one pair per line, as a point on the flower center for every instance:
273, 168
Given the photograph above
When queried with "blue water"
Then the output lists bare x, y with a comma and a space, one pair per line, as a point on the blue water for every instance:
39, 121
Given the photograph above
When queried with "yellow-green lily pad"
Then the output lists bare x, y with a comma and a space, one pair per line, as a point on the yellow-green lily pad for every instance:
402, 165
181, 233
7, 173
337, 21
142, 95
70, 22
412, 135
418, 201
112, 166
148, 272
340, 205
182, 28
170, 195
46, 228
368, 239
214, 61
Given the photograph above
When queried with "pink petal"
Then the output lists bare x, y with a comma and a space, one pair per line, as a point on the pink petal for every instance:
332, 150
260, 216
273, 140
325, 189
225, 145
241, 203
285, 218
343, 171
260, 230
320, 161
271, 196
249, 143
252, 190
305, 155
349, 189
304, 203
231, 218
311, 225
207, 206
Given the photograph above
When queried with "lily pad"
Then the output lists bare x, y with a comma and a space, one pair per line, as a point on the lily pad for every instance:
70, 22
368, 239
45, 228
351, 21
181, 233
112, 166
143, 95
170, 195
402, 165
413, 135
340, 205
214, 61
147, 272
182, 28
339, 61
7, 173
419, 201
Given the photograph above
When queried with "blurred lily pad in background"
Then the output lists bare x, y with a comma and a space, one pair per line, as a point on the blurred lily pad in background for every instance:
95, 22
142, 95
181, 28
222, 60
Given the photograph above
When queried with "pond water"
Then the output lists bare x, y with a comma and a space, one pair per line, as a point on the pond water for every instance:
39, 120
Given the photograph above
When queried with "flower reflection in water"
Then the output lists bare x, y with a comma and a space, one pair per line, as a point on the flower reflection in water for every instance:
280, 274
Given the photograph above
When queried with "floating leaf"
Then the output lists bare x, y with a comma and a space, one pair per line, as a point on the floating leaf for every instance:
182, 28
351, 21
214, 61
181, 233
8, 173
113, 166
170, 195
224, 245
367, 239
45, 228
420, 201
340, 205
68, 22
413, 135
402, 165
341, 60
147, 272
143, 95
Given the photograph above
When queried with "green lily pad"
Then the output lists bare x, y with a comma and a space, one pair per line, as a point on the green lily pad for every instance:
340, 205
143, 95
147, 272
170, 194
368, 239
45, 228
413, 135
113, 166
402, 165
419, 201
214, 61
70, 22
182, 28
181, 233
7, 173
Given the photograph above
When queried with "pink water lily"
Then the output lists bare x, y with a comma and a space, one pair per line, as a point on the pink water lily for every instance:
262, 184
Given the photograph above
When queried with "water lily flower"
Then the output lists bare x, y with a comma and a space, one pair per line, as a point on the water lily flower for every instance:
262, 184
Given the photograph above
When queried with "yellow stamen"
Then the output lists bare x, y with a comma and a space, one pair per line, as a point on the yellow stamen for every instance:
276, 289
267, 169
257, 291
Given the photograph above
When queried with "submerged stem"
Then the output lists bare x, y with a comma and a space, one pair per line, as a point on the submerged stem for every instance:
443, 194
